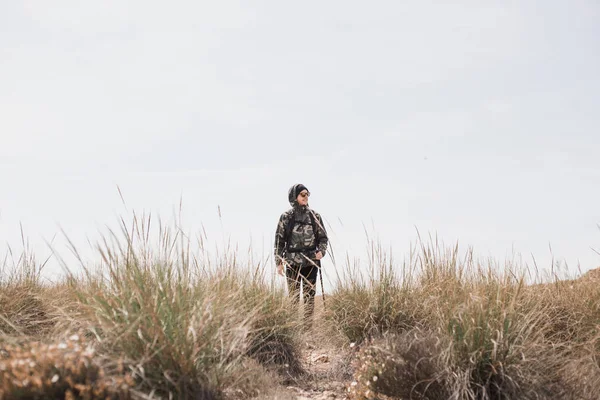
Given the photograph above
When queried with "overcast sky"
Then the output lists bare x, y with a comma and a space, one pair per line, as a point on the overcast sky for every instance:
478, 121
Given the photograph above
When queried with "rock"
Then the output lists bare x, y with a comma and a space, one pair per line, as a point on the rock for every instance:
323, 358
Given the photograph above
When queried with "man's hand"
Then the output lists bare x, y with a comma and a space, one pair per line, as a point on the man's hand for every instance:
280, 269
319, 255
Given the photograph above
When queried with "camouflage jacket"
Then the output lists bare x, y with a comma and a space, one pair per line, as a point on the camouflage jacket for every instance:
303, 242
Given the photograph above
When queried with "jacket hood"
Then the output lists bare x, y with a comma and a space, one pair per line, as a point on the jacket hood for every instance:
294, 192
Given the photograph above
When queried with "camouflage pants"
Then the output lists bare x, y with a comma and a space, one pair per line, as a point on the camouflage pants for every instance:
305, 277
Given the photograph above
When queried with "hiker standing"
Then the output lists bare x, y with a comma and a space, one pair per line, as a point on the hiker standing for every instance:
300, 244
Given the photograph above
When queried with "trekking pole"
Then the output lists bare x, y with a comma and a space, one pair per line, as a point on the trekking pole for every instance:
322, 287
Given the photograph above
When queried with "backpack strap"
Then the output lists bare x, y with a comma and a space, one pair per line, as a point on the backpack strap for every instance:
313, 221
289, 227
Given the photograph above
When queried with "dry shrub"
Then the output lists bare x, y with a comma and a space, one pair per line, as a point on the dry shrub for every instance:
407, 366
189, 328
499, 341
69, 369
256, 381
273, 338
361, 313
573, 309
274, 344
40, 311
362, 306
186, 341
581, 370
22, 310
428, 365
478, 332
189, 325
27, 305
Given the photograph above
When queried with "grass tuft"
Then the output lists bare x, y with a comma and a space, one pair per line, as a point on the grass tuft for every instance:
454, 327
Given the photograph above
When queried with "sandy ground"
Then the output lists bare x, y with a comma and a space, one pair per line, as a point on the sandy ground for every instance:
324, 377
326, 361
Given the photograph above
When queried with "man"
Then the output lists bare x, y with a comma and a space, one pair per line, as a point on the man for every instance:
300, 244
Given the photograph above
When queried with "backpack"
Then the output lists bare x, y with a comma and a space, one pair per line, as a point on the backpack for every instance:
287, 233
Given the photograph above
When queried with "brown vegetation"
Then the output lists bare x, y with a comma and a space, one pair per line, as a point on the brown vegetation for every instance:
154, 322
68, 369
453, 327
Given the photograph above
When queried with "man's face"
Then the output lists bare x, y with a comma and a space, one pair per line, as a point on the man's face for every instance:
302, 198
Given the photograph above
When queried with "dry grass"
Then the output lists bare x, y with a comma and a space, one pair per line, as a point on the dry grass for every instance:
155, 321
454, 327
183, 327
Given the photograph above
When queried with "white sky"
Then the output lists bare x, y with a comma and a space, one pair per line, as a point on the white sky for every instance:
476, 121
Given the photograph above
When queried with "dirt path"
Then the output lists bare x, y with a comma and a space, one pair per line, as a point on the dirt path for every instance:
327, 365
326, 376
